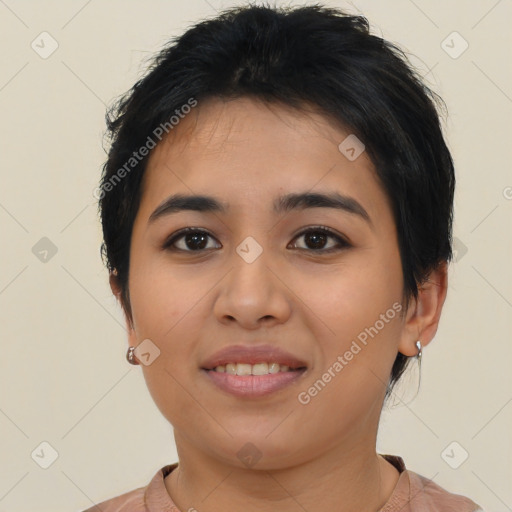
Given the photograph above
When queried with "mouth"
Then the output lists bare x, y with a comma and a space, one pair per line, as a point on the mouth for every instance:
253, 371
246, 359
261, 368
250, 385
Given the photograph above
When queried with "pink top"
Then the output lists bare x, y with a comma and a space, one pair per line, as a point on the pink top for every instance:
412, 492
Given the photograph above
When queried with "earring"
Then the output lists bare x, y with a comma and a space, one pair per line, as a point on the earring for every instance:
130, 357
418, 345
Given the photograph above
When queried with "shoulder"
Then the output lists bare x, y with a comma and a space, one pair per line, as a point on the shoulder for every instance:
416, 493
132, 501
153, 493
425, 494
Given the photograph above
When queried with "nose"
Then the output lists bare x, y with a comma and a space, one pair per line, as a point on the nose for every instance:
253, 293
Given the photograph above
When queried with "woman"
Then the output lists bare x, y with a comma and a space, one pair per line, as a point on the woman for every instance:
277, 211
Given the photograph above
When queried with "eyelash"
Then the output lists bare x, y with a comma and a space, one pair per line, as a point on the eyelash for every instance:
343, 244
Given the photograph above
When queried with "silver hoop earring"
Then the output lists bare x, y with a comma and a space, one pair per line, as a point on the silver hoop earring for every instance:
130, 357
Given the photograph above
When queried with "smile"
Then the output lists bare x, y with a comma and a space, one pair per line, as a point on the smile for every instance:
252, 385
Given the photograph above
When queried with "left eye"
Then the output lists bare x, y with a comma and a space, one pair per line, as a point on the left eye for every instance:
318, 236
197, 240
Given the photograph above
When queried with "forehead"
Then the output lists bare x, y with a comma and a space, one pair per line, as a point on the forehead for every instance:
244, 150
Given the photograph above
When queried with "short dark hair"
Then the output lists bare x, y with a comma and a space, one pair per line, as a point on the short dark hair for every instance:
300, 57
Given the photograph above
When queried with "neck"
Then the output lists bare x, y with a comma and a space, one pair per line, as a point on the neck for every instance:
346, 478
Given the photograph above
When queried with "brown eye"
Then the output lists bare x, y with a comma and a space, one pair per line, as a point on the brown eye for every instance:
194, 240
316, 238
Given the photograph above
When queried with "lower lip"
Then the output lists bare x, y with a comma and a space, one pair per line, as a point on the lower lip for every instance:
253, 385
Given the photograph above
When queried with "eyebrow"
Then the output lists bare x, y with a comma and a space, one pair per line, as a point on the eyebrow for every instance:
283, 204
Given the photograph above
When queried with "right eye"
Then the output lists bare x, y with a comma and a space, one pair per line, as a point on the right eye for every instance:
192, 237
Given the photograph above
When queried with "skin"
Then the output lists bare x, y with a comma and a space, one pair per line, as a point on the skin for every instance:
320, 456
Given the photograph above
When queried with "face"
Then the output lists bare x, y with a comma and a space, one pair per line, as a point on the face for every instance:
321, 283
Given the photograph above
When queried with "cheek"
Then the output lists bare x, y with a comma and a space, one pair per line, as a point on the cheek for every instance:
354, 313
160, 296
167, 310
172, 392
356, 353
346, 299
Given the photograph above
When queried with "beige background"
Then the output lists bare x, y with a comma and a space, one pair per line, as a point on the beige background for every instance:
64, 379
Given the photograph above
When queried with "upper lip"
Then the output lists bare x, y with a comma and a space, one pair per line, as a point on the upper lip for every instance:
252, 355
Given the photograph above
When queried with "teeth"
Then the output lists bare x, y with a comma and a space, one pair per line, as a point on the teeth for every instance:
260, 369
252, 369
274, 368
243, 369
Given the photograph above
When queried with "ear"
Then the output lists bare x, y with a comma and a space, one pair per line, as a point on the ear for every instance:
114, 285
422, 317
116, 290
